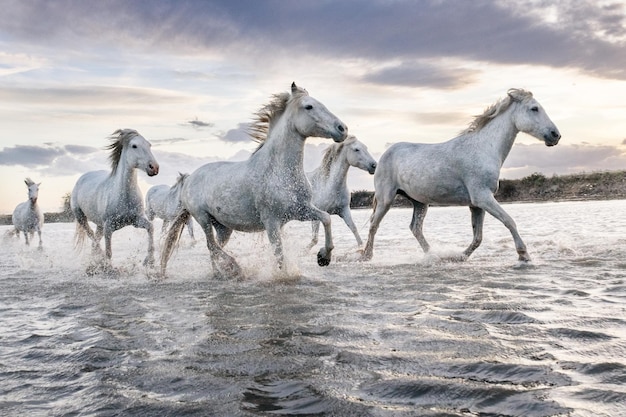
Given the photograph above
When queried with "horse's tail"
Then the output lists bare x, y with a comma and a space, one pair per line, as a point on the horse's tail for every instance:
79, 237
173, 236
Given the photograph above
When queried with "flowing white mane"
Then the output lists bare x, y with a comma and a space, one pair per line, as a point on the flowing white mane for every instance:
331, 153
513, 95
120, 139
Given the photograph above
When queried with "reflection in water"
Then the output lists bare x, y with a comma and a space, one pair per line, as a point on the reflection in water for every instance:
405, 334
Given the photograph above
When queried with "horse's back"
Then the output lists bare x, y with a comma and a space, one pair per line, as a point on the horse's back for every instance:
84, 197
425, 172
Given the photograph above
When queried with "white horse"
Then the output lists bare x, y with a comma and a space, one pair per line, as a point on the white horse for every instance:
27, 217
112, 200
264, 192
461, 171
329, 181
163, 202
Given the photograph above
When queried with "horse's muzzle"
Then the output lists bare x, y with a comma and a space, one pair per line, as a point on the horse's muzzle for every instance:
553, 138
372, 168
152, 169
341, 133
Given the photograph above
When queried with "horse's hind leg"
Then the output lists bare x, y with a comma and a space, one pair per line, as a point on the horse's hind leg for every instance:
417, 222
315, 230
26, 237
380, 209
222, 262
478, 218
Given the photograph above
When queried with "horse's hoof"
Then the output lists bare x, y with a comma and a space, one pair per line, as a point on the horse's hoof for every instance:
149, 262
322, 259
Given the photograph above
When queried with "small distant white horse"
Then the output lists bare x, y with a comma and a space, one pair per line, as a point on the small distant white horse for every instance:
163, 202
112, 200
461, 171
267, 190
27, 217
329, 181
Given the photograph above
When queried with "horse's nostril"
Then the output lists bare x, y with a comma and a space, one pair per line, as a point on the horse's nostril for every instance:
555, 134
341, 128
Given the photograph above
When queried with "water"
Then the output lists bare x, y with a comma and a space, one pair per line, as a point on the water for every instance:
403, 335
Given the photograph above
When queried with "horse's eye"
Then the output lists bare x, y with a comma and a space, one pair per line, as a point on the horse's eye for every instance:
134, 146
308, 107
535, 109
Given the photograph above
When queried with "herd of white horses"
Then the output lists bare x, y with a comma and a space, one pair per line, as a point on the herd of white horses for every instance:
271, 188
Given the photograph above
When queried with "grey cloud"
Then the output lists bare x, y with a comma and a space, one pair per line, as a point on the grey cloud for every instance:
562, 159
198, 124
237, 135
587, 35
80, 149
29, 156
416, 74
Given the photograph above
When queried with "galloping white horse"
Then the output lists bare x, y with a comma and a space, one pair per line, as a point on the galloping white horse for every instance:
163, 202
329, 181
113, 200
461, 171
27, 217
264, 192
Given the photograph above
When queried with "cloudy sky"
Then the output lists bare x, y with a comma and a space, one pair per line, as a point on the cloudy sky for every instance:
189, 74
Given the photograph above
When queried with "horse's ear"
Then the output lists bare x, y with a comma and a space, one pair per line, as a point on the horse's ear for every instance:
26, 182
297, 90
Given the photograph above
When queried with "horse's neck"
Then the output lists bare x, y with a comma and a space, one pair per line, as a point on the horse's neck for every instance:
125, 181
282, 150
499, 135
338, 172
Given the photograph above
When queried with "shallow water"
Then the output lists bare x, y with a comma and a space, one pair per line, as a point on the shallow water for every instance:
402, 335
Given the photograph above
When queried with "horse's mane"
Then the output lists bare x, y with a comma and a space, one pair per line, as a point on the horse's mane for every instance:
120, 139
513, 95
180, 179
331, 153
262, 120
29, 182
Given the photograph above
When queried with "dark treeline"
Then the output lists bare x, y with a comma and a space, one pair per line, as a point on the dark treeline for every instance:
538, 187
535, 187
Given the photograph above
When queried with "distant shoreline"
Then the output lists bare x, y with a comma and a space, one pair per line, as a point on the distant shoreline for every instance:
610, 185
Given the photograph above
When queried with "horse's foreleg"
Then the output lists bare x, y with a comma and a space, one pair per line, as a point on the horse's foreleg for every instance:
108, 233
223, 234
26, 237
478, 218
417, 222
315, 229
144, 223
164, 226
39, 234
311, 212
346, 215
492, 207
380, 209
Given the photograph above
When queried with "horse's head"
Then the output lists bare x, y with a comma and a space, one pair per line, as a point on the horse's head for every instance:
358, 155
531, 118
33, 190
133, 150
312, 118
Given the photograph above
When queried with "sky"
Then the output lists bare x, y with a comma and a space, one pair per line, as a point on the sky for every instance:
188, 75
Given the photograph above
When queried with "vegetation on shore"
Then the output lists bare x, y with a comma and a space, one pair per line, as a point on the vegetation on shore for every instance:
536, 187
